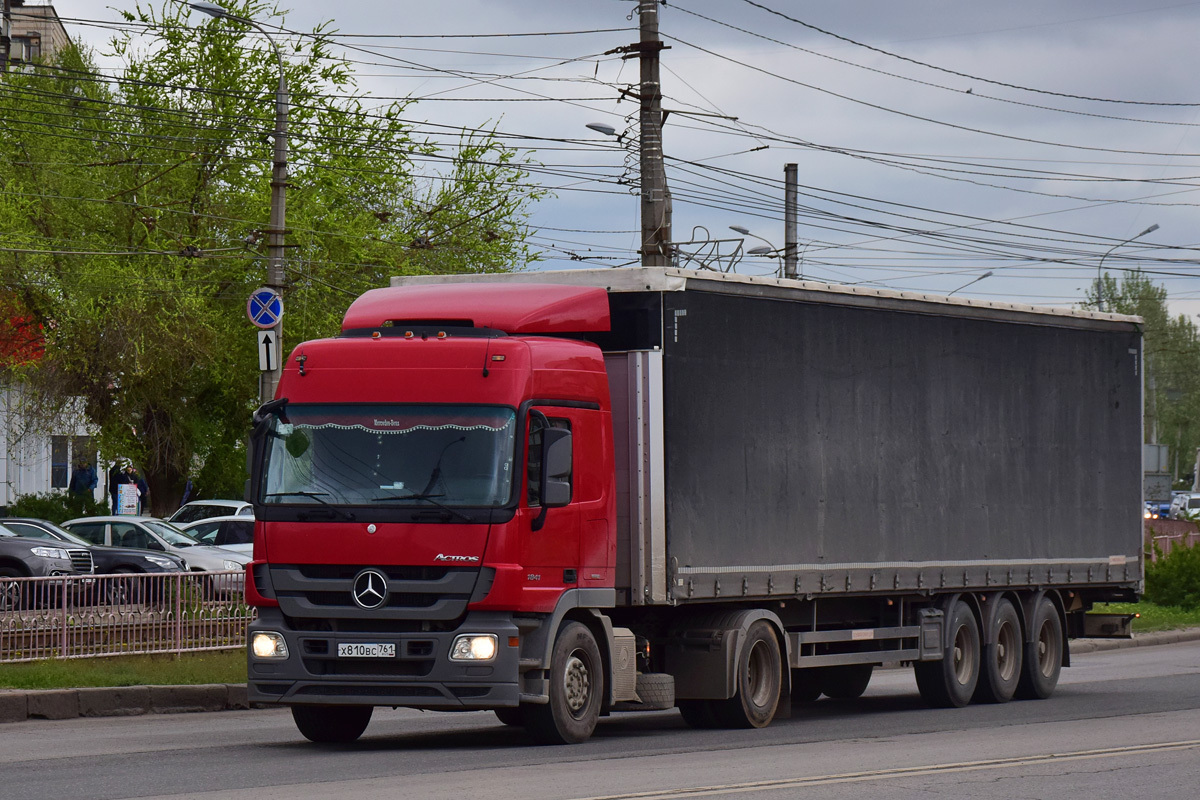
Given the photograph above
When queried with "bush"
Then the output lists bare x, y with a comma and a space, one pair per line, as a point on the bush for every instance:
1174, 579
56, 507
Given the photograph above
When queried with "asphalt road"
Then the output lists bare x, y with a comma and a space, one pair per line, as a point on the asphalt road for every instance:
1123, 724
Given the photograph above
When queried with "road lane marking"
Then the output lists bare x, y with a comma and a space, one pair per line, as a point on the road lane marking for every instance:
899, 772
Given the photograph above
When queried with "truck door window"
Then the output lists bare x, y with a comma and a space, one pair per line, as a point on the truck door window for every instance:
533, 473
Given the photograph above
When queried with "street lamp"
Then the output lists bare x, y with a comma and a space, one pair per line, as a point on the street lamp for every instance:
770, 249
1099, 280
987, 274
275, 243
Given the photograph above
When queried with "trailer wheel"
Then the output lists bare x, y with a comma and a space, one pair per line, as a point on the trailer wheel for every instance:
513, 717
847, 682
951, 682
806, 685
757, 683
331, 724
698, 713
1043, 658
1002, 658
576, 690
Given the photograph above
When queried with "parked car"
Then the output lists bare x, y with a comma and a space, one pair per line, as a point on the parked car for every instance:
151, 533
1185, 505
203, 509
230, 533
21, 557
106, 561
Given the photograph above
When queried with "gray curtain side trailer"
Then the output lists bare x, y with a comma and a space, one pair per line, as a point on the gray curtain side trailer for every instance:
814, 480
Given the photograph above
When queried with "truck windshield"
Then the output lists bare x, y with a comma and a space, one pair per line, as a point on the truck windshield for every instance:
455, 456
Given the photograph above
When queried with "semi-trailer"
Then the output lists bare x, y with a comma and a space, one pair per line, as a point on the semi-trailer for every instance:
556, 495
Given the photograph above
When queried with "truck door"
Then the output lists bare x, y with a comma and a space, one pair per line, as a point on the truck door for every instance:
550, 553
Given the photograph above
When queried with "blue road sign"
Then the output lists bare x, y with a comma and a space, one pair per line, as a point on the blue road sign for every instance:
264, 308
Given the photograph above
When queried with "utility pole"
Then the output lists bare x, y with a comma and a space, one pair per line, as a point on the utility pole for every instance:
789, 220
5, 36
656, 198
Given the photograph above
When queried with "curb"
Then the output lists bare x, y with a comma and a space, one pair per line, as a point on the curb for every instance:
1140, 640
18, 705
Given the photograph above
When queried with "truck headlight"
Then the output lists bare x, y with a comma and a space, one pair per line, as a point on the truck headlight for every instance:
473, 647
51, 552
268, 644
165, 563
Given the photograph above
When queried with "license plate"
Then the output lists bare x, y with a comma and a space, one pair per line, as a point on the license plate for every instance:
366, 650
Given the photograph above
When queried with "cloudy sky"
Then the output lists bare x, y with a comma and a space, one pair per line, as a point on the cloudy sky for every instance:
936, 141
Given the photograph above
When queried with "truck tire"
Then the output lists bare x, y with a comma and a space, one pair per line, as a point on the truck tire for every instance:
331, 724
846, 682
1043, 657
656, 689
806, 685
513, 717
576, 690
698, 713
757, 682
1003, 656
951, 682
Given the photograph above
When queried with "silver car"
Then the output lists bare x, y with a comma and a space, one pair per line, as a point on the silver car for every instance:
151, 533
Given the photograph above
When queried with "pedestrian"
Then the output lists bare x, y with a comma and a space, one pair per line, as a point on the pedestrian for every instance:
89, 474
143, 489
116, 477
79, 480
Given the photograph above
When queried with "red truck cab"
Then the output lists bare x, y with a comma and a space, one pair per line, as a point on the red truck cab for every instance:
434, 492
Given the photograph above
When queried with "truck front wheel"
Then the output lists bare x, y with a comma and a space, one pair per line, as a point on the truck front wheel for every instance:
325, 724
576, 690
951, 682
758, 681
1043, 656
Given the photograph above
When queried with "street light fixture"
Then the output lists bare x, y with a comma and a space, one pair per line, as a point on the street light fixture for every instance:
275, 242
987, 274
770, 249
1099, 279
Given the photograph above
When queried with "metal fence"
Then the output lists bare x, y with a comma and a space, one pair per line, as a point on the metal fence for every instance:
1165, 543
124, 614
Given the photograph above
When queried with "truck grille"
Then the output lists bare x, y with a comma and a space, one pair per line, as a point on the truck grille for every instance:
414, 593
81, 560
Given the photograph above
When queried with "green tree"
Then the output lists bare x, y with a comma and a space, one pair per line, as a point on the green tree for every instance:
133, 211
1172, 352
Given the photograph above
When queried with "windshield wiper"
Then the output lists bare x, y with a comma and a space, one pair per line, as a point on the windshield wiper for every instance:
316, 496
429, 498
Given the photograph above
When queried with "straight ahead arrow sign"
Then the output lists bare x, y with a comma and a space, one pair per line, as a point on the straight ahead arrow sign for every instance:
268, 350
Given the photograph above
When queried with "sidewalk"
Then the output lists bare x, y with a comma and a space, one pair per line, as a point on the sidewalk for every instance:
18, 705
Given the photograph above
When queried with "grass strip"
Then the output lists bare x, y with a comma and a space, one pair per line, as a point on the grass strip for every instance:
1153, 618
224, 666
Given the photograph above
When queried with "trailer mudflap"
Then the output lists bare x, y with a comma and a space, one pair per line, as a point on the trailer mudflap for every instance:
933, 621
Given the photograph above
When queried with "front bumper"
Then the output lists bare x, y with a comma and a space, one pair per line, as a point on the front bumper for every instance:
421, 675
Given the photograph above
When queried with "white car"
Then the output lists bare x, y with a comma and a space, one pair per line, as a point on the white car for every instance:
234, 533
1185, 506
203, 509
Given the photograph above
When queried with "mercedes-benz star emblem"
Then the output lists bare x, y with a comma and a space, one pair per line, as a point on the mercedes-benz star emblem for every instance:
369, 589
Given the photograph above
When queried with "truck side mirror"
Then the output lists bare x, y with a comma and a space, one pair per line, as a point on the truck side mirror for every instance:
554, 488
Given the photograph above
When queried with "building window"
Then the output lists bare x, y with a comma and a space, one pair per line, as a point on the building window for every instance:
59, 461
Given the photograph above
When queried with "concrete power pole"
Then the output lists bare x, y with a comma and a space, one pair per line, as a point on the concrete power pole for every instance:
5, 37
656, 198
789, 221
